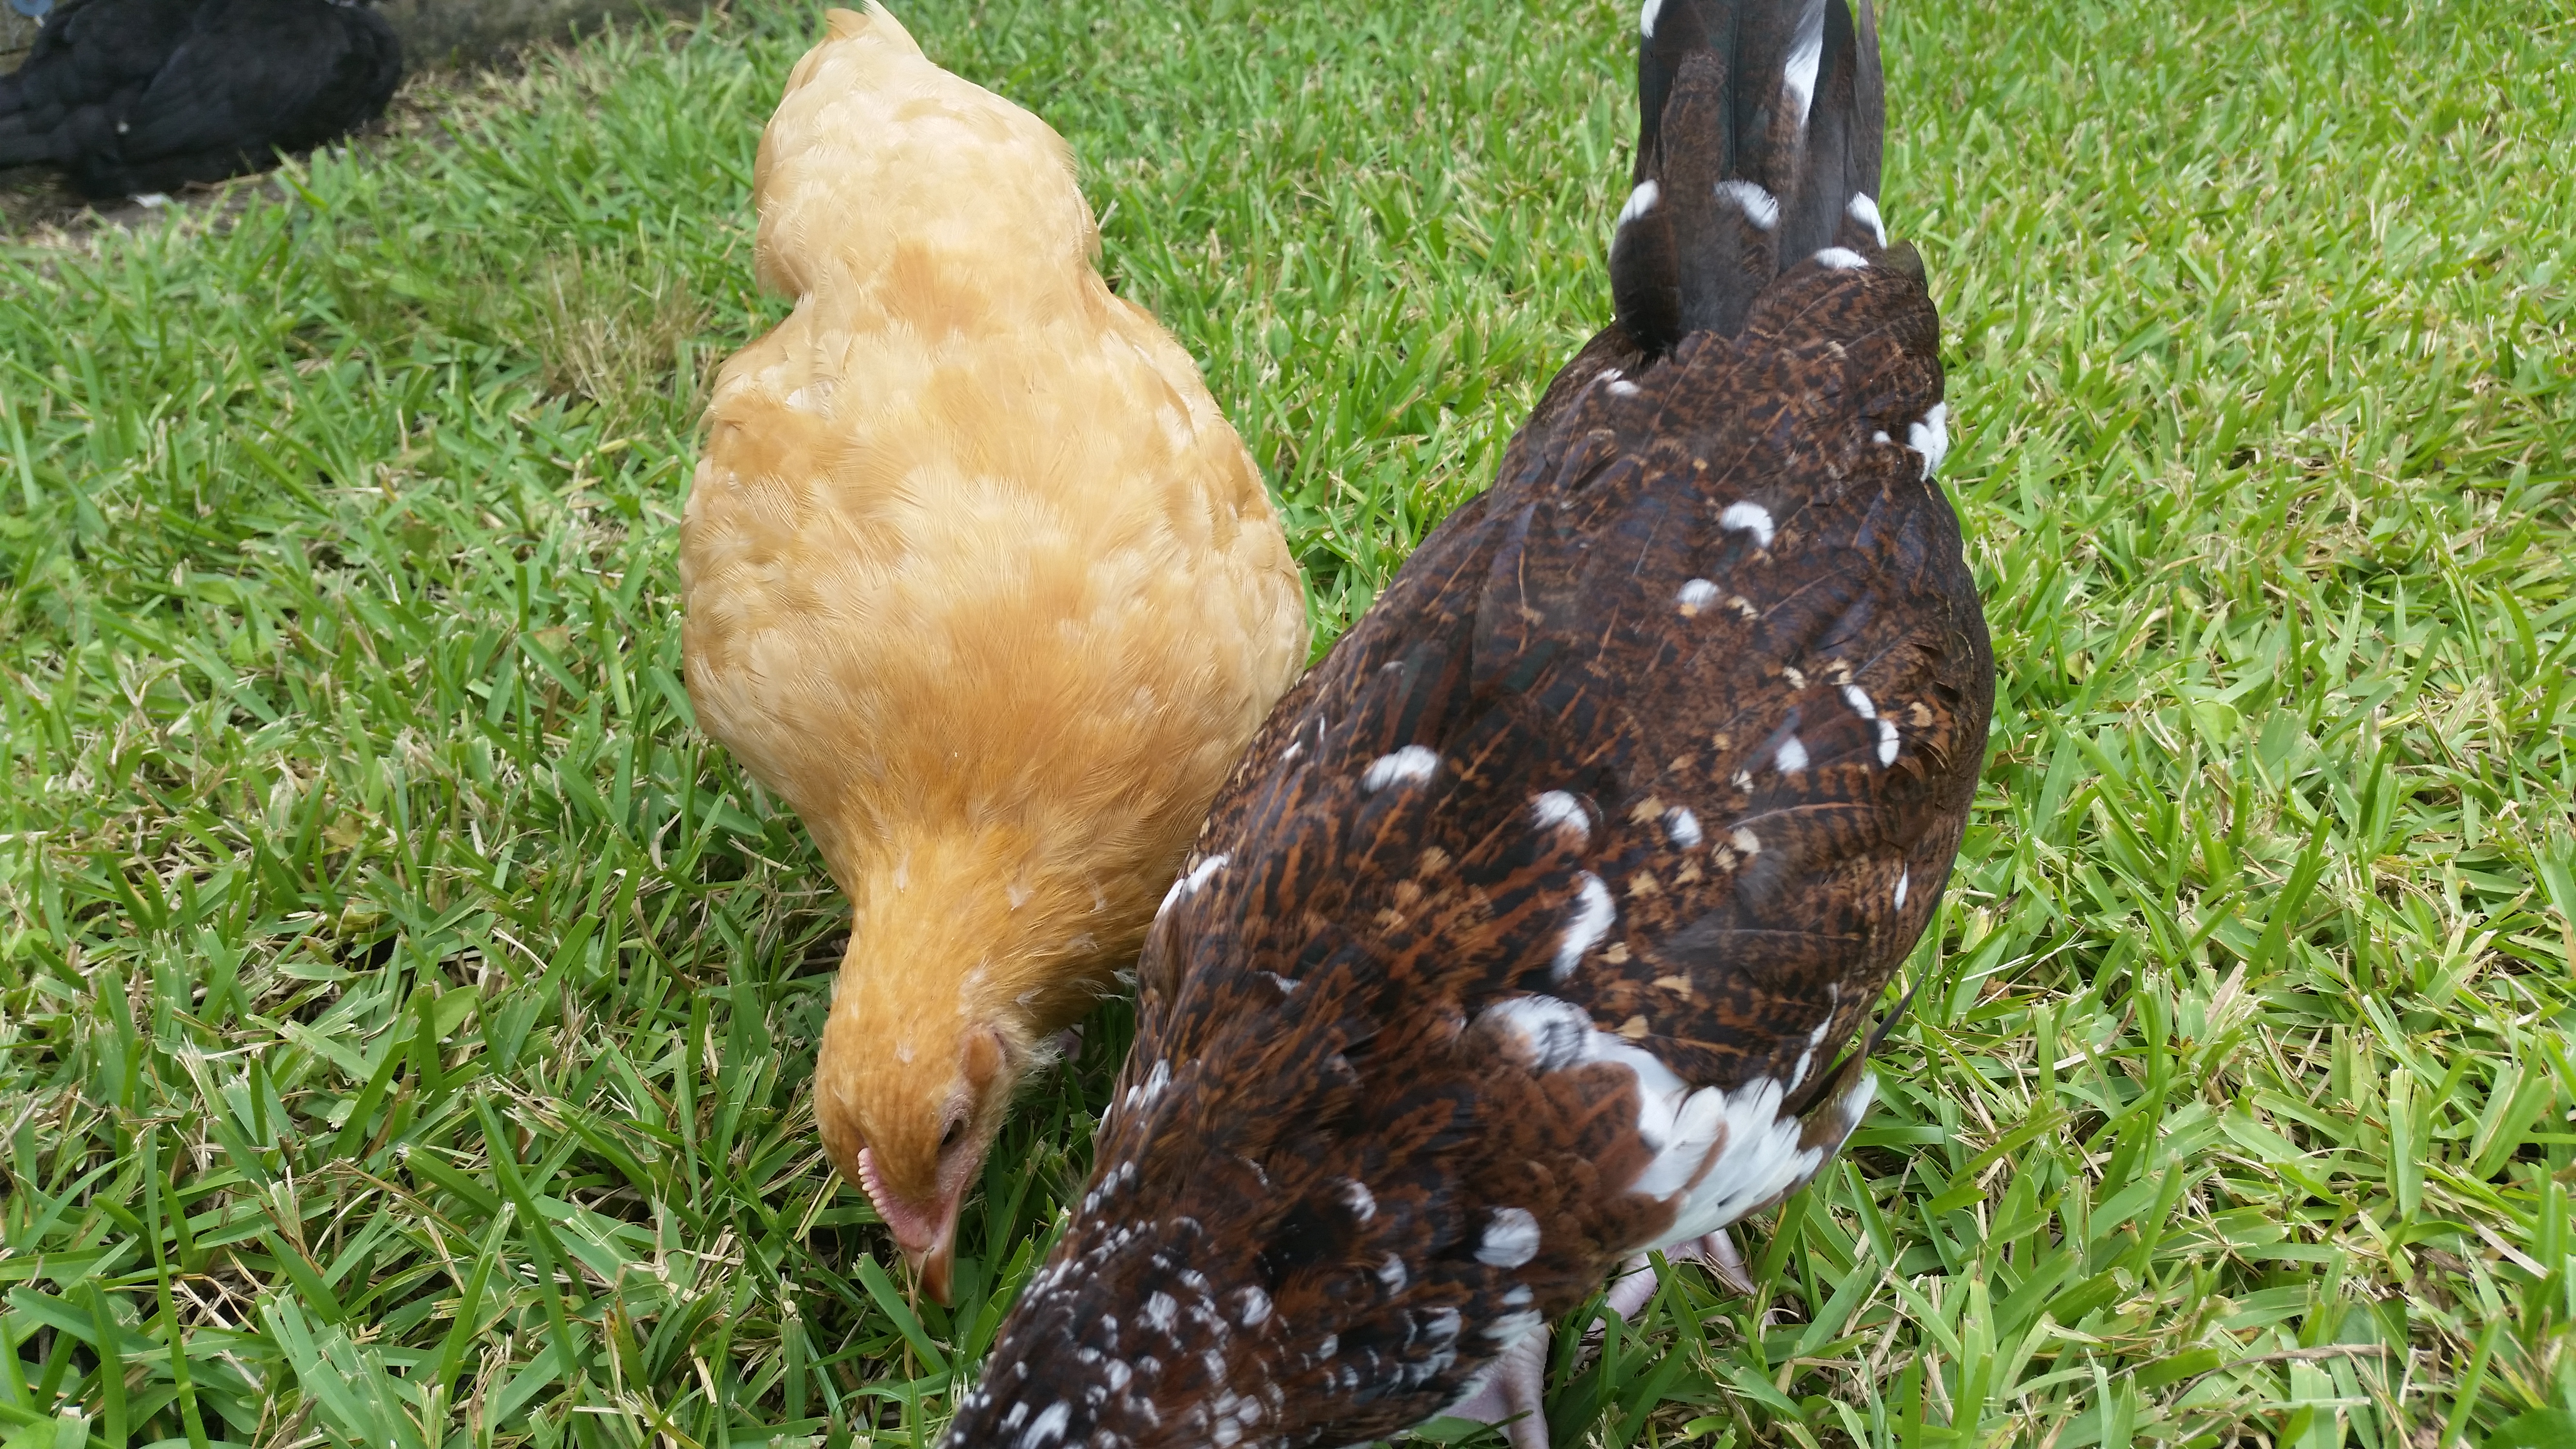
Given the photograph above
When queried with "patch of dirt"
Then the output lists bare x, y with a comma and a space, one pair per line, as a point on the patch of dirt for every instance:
37, 207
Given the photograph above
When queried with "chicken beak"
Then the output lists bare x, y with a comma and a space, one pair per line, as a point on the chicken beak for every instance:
928, 1240
931, 1266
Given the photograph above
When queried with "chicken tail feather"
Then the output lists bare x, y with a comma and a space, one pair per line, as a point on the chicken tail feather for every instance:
1759, 130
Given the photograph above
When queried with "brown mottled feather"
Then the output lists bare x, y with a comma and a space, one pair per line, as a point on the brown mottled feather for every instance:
1377, 1028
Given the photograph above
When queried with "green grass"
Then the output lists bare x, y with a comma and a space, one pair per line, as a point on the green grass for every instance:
407, 1015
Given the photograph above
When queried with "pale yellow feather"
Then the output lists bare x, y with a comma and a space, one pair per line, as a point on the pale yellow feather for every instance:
978, 579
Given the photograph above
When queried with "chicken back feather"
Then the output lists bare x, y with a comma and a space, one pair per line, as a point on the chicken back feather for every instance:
1539, 925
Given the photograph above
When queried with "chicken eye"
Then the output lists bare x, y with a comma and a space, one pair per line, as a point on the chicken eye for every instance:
948, 1139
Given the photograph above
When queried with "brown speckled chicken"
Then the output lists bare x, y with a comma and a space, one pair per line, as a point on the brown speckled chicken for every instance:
1540, 923
977, 579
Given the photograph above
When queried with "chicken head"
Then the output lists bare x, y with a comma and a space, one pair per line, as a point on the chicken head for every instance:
910, 1135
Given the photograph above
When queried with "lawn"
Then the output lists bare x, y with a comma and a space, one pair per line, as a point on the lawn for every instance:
405, 1015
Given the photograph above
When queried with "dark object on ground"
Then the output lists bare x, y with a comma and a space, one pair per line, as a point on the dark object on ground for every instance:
129, 96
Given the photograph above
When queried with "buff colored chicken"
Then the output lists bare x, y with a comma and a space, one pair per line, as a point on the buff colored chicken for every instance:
979, 581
